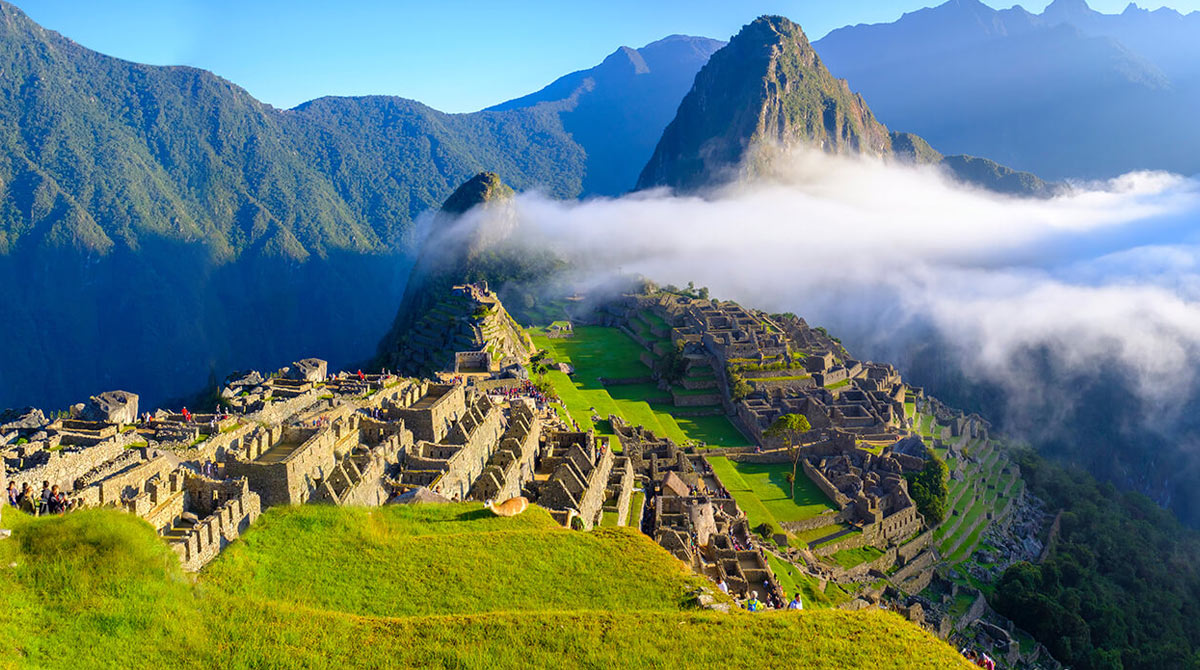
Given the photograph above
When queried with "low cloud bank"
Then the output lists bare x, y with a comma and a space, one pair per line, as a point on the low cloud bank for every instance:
1107, 275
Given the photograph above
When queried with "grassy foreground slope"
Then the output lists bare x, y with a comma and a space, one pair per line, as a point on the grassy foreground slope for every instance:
427, 586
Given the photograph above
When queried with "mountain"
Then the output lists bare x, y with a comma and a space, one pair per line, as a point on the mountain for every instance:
617, 110
159, 224
468, 242
1106, 93
768, 88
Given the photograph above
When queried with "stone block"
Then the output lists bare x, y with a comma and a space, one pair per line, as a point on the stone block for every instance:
120, 407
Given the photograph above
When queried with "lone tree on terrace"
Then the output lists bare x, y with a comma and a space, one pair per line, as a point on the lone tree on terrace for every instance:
790, 427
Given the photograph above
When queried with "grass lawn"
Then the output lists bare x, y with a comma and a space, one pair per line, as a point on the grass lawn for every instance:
635, 508
598, 352
424, 586
848, 558
762, 492
791, 580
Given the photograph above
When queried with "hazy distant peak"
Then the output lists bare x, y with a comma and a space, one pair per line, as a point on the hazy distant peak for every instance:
1068, 10
625, 60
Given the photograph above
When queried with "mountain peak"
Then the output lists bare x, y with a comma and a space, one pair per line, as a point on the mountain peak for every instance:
1066, 10
767, 86
483, 187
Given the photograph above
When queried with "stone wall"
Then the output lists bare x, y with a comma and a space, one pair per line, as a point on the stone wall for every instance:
431, 417
824, 484
213, 533
64, 466
292, 478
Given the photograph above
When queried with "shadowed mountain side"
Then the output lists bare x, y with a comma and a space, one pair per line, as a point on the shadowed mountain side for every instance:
768, 89
166, 321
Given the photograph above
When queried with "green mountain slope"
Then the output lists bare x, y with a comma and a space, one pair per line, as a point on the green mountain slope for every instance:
769, 89
423, 586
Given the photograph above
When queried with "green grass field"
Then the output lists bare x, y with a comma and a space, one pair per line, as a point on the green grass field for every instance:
426, 586
762, 492
606, 353
849, 558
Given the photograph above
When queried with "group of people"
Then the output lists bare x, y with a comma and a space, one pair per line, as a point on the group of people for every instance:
753, 604
50, 501
209, 469
526, 389
979, 658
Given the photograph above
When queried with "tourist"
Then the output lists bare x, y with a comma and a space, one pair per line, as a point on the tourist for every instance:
753, 604
986, 662
44, 498
14, 495
25, 502
796, 603
57, 502
723, 586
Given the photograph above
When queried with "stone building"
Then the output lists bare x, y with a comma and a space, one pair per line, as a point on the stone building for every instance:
512, 464
573, 476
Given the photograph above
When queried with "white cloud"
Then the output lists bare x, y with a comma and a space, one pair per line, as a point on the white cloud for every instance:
1109, 273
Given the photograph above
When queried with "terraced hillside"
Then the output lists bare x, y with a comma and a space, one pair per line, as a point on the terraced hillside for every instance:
424, 586
984, 488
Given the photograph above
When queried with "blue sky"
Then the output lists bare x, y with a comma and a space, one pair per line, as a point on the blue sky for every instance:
454, 55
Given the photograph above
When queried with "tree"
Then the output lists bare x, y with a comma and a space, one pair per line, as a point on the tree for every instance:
929, 488
738, 387
674, 366
790, 427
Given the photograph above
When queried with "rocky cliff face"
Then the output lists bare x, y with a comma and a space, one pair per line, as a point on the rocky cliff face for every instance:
768, 89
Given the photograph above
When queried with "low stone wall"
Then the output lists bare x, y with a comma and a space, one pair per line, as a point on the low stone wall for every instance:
824, 519
592, 501
914, 547
205, 540
277, 412
689, 400
824, 484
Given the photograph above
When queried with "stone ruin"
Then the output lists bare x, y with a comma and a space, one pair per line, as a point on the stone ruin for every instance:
572, 477
292, 437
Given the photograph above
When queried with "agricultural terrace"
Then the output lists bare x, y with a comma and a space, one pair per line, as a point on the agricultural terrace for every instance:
421, 586
597, 353
761, 490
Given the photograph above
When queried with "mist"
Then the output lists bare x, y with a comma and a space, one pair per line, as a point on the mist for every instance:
1034, 297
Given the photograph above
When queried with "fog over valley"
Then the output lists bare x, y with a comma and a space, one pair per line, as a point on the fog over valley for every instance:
1038, 298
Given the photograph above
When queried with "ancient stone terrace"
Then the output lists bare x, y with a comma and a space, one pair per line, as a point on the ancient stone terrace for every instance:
216, 513
712, 536
652, 457
573, 476
61, 452
512, 464
431, 416
289, 464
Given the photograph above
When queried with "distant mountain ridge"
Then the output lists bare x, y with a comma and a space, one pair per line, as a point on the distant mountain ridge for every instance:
617, 110
1069, 93
769, 89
